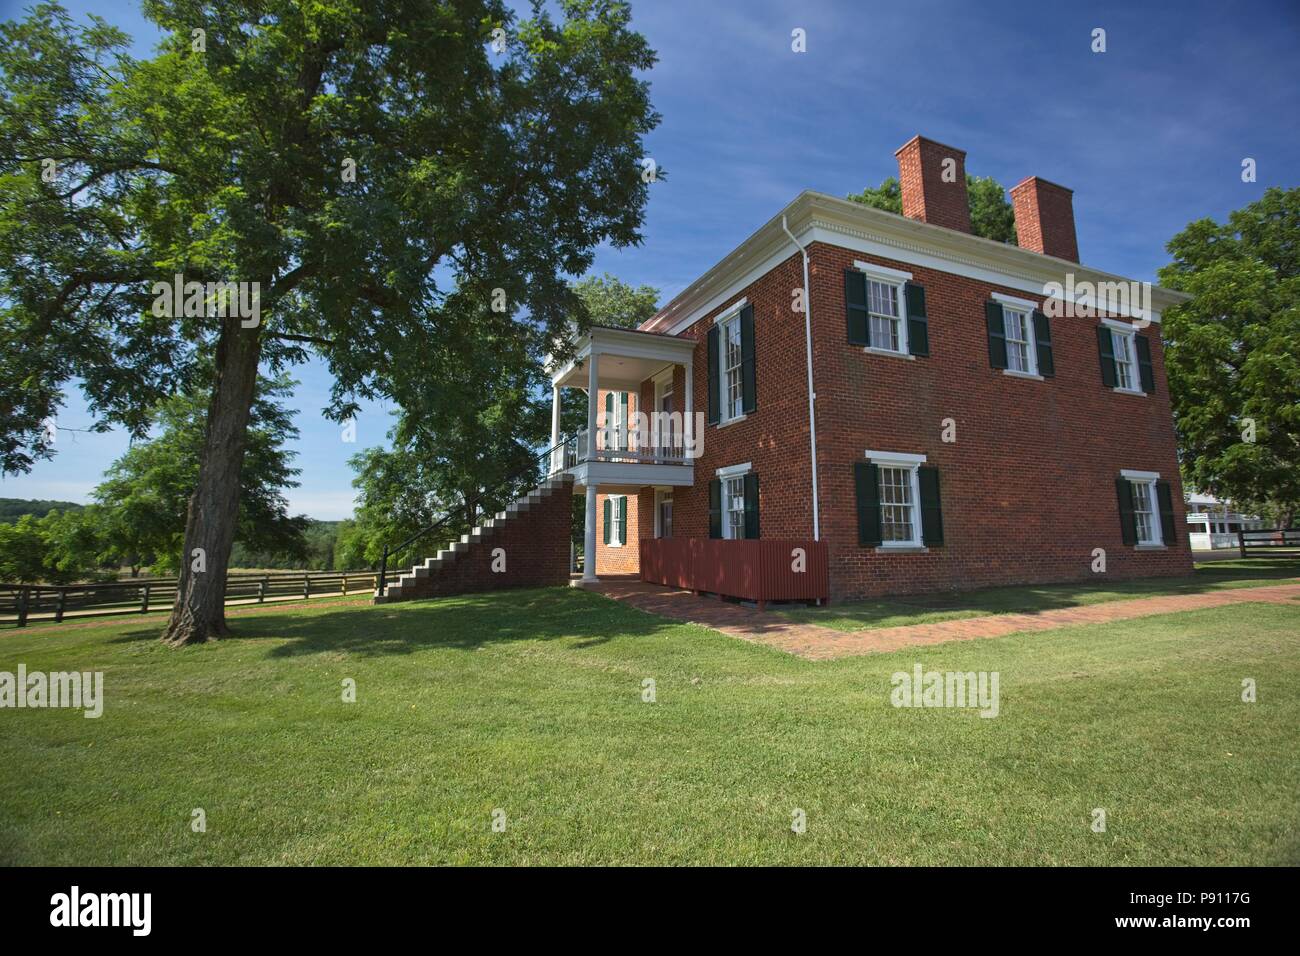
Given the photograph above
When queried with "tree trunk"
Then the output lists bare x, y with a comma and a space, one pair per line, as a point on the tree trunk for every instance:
200, 611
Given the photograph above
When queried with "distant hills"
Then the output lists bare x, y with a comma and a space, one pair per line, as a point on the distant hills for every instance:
11, 509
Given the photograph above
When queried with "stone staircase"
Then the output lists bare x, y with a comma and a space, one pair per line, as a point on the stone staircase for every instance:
532, 534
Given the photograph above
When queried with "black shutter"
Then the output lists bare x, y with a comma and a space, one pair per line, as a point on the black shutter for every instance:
1043, 344
712, 350
1143, 346
927, 476
751, 505
997, 334
1106, 350
1168, 528
748, 398
1127, 520
715, 508
855, 300
622, 520
918, 322
866, 479
606, 516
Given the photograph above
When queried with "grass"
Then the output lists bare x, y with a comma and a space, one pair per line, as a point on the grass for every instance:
531, 702
928, 608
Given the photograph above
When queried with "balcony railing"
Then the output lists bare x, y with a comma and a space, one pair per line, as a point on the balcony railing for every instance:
618, 445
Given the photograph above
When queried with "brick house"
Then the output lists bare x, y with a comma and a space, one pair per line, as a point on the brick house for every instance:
967, 433
937, 411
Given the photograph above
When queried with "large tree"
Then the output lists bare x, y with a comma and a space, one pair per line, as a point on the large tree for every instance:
383, 170
1232, 354
991, 215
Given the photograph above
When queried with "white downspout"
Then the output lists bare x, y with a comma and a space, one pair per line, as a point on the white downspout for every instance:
812, 396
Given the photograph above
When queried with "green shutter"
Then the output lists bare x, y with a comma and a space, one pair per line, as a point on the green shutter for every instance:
751, 505
715, 508
927, 476
1043, 344
866, 479
606, 522
855, 301
1143, 346
997, 334
748, 396
1168, 527
918, 322
1106, 351
1127, 520
622, 519
714, 404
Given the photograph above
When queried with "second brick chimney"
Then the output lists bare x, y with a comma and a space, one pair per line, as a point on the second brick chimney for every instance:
932, 179
1045, 218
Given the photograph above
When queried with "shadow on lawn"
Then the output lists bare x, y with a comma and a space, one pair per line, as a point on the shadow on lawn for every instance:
465, 622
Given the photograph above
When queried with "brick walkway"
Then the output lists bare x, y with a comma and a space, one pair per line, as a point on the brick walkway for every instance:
823, 643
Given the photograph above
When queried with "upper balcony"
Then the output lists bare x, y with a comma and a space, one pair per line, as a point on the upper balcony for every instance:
623, 456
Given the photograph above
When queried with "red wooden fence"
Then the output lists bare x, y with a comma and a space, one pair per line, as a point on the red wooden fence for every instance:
756, 570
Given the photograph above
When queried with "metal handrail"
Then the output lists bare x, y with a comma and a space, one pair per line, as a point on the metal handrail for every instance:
382, 586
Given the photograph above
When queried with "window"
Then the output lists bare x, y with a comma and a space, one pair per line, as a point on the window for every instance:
1144, 511
897, 506
883, 310
617, 510
733, 385
1020, 343
733, 506
1122, 343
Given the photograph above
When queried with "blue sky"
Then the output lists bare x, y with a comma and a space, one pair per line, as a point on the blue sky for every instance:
1150, 135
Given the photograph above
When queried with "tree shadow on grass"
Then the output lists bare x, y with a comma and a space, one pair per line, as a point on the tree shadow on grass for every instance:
465, 622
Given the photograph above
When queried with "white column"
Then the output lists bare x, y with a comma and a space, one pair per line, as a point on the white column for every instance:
589, 545
592, 390
555, 415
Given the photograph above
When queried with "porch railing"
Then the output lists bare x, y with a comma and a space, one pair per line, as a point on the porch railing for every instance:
618, 446
756, 570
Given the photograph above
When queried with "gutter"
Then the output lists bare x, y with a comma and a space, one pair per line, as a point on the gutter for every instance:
812, 414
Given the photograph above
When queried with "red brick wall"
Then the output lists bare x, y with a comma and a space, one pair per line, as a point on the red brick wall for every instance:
536, 544
1027, 489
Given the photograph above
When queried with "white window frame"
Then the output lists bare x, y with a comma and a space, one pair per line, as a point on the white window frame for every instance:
1118, 331
1146, 480
617, 506
727, 476
1025, 307
727, 319
912, 464
897, 279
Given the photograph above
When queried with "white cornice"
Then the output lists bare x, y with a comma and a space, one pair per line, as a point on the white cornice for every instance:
817, 217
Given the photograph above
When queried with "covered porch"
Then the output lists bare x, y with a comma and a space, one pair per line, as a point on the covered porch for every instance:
620, 452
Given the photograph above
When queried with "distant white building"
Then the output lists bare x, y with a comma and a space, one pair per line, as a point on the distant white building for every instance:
1212, 523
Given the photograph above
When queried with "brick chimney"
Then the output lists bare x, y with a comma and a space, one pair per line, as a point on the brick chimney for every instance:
934, 190
1045, 218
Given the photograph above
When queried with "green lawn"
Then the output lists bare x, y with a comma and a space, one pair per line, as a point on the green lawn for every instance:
531, 702
928, 608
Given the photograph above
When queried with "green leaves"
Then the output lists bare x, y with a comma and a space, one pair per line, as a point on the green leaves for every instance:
1232, 354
